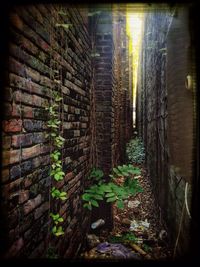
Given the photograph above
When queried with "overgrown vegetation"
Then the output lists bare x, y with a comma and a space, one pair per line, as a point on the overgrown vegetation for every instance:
111, 191
56, 173
135, 151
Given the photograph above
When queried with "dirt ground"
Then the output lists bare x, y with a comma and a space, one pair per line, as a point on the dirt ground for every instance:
138, 232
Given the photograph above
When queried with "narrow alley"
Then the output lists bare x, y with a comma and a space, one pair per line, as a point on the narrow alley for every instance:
100, 132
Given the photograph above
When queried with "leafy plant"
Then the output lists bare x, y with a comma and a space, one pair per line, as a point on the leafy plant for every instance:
111, 191
56, 172
56, 193
135, 151
96, 174
57, 231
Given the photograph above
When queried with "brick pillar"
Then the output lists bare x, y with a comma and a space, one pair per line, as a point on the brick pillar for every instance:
104, 104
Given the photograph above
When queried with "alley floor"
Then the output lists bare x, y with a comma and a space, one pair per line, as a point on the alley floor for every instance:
139, 232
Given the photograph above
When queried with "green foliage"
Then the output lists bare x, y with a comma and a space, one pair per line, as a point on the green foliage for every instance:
111, 191
57, 231
56, 218
125, 170
57, 174
135, 151
57, 142
96, 174
128, 237
56, 193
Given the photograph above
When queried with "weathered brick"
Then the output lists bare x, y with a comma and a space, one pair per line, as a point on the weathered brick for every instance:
5, 175
41, 210
30, 152
6, 141
23, 196
31, 126
15, 172
38, 138
22, 140
67, 125
10, 157
32, 204
69, 176
30, 84
12, 126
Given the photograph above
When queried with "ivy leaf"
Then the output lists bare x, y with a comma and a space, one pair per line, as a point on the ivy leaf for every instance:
60, 219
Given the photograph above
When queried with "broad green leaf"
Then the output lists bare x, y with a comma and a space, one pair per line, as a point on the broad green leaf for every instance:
86, 197
94, 203
98, 197
112, 199
110, 194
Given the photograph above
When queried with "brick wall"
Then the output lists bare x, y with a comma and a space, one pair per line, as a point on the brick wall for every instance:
166, 116
95, 115
123, 89
112, 94
36, 48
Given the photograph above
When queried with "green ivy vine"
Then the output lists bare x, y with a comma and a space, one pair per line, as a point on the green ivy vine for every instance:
57, 142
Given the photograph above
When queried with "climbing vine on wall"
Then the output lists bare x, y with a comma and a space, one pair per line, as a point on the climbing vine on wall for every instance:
56, 173
54, 134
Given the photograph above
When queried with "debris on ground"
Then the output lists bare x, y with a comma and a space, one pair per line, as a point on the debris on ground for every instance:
92, 240
137, 226
97, 224
133, 204
138, 232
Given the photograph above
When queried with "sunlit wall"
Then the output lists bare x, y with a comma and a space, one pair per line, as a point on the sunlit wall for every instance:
134, 28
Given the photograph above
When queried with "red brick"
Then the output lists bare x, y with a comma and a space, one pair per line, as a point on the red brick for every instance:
27, 112
22, 139
69, 176
32, 204
30, 152
11, 187
16, 110
10, 157
6, 142
12, 126
23, 97
23, 196
4, 175
41, 210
